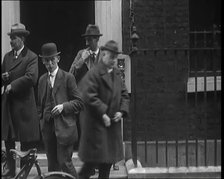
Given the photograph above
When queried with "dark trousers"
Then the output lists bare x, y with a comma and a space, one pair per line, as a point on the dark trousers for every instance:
87, 168
59, 156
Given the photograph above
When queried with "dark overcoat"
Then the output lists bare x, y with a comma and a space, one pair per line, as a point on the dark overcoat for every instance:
64, 92
19, 106
102, 96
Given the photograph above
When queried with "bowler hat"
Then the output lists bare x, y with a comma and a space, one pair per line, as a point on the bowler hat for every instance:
92, 30
112, 46
49, 50
18, 28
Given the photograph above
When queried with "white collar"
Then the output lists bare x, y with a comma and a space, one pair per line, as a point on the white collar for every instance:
109, 70
19, 51
95, 52
54, 72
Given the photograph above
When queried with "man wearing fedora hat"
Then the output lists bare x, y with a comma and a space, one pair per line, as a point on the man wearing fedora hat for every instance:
19, 114
107, 102
87, 58
58, 104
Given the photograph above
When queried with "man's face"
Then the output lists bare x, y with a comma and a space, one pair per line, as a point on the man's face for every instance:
92, 42
16, 42
108, 58
51, 63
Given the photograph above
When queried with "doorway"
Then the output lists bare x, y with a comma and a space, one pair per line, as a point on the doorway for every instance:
61, 22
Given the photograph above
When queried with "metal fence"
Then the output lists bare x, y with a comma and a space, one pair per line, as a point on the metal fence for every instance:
204, 55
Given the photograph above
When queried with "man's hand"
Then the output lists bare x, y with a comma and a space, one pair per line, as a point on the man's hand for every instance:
106, 120
5, 76
8, 88
85, 54
117, 116
57, 110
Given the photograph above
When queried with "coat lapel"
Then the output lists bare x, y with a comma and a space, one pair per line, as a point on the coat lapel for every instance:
117, 80
97, 60
16, 62
44, 89
58, 81
105, 76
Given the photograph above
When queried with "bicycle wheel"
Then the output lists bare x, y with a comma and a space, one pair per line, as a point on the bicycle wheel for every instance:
58, 175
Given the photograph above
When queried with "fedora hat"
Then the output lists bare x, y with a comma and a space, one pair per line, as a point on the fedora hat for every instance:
49, 50
18, 28
92, 30
112, 46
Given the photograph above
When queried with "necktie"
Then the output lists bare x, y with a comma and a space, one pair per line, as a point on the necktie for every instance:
15, 54
94, 57
49, 80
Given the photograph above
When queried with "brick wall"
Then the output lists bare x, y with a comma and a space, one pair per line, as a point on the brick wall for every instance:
161, 77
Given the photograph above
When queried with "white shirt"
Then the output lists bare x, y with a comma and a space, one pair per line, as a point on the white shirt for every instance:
95, 52
52, 76
90, 63
19, 51
109, 70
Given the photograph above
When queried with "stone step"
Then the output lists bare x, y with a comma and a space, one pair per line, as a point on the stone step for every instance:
42, 159
171, 172
114, 174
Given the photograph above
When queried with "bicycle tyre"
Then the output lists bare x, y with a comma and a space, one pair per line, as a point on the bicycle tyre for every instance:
58, 175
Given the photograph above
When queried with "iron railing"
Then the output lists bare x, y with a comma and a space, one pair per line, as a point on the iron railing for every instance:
198, 50
216, 71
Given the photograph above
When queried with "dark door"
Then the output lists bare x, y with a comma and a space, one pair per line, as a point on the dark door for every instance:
62, 22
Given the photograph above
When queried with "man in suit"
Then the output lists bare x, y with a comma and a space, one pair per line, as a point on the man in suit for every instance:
58, 104
19, 114
107, 102
87, 58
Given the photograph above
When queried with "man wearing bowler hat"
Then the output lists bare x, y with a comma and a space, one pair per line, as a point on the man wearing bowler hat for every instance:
87, 58
58, 104
19, 113
106, 103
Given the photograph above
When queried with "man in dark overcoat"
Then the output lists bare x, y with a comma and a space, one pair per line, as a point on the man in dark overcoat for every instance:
107, 102
58, 104
19, 114
88, 57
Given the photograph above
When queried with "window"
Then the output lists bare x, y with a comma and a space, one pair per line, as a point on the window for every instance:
205, 45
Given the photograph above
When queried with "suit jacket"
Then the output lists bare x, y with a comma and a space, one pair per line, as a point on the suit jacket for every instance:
64, 92
79, 68
102, 96
19, 107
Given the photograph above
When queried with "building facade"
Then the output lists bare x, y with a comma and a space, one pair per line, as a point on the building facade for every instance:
174, 76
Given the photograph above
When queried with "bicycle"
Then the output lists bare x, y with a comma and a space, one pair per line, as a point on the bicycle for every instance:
31, 157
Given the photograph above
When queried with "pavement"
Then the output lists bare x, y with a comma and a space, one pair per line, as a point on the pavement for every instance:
114, 174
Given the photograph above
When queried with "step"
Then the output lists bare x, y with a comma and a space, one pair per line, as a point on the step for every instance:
114, 174
171, 172
42, 159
